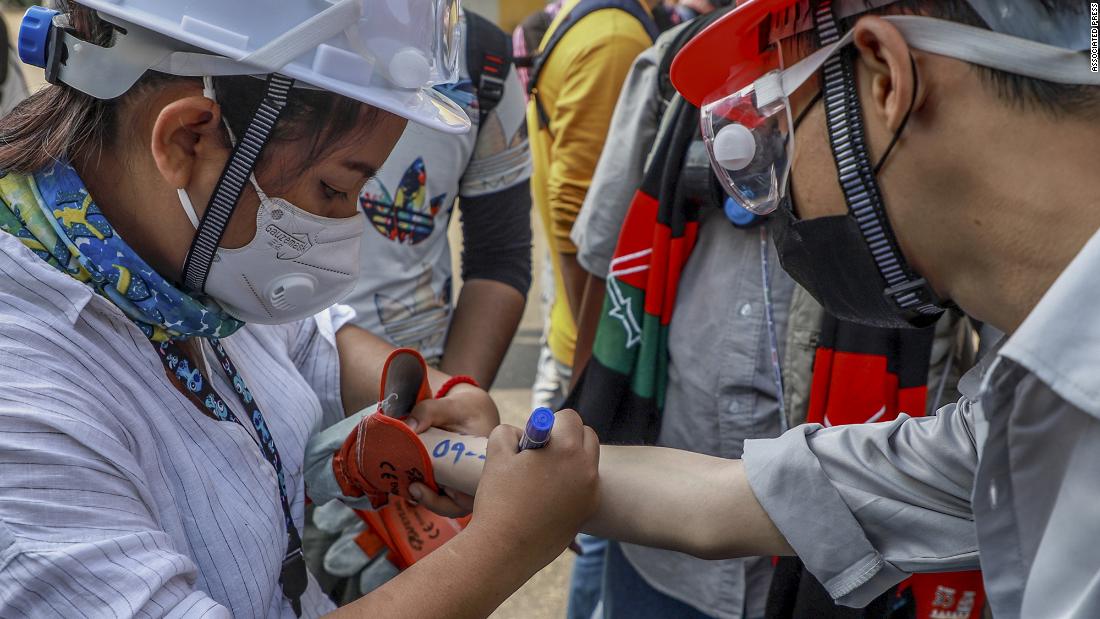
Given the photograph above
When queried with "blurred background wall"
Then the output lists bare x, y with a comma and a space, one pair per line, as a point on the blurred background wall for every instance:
506, 13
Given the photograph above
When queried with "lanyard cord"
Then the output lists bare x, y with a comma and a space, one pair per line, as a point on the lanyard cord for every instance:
773, 339
189, 378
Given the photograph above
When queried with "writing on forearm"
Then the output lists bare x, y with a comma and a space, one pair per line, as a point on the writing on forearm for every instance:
445, 448
457, 459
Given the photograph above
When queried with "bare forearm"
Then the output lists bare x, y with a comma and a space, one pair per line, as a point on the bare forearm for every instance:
574, 277
468, 577
682, 501
485, 321
362, 356
652, 496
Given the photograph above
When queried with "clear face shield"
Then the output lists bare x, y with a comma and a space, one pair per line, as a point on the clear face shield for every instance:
451, 38
750, 133
414, 42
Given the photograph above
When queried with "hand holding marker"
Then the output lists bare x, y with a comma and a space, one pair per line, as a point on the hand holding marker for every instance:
457, 460
535, 436
537, 433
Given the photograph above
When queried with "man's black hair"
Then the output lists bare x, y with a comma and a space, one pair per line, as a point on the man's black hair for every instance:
1023, 92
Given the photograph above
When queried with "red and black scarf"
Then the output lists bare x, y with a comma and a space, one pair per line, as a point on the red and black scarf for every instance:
622, 390
866, 374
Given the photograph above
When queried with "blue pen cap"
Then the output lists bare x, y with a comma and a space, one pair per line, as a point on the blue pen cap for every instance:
540, 424
34, 35
542, 419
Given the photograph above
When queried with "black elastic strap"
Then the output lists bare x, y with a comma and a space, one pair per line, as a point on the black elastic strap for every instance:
806, 110
904, 120
241, 164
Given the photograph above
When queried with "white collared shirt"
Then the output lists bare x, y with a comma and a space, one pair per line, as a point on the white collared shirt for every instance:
118, 496
1010, 475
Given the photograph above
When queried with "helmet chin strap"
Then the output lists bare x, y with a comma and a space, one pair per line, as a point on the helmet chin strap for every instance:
907, 290
242, 163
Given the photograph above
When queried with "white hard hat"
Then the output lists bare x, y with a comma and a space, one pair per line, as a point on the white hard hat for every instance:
386, 53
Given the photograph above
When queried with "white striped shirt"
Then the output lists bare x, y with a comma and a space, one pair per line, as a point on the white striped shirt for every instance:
118, 496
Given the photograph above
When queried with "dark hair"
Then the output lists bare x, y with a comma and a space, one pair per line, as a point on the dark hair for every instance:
60, 122
1024, 92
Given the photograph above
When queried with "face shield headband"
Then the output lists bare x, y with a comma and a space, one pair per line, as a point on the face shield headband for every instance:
401, 45
749, 133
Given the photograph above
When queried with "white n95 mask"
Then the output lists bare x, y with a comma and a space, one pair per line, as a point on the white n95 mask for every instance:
296, 265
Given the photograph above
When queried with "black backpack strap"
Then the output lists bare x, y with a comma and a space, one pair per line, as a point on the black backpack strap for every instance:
583, 9
688, 32
488, 59
5, 51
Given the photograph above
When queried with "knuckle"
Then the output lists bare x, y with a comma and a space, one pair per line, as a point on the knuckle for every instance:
591, 442
565, 441
568, 416
503, 438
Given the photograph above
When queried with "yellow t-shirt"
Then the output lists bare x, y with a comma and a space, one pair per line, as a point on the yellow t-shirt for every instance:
578, 87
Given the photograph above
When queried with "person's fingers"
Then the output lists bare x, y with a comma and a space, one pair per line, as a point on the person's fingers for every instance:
568, 422
591, 443
504, 439
567, 417
440, 504
427, 414
463, 501
567, 432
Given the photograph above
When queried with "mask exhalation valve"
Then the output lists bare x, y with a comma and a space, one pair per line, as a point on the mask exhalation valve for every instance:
292, 291
734, 147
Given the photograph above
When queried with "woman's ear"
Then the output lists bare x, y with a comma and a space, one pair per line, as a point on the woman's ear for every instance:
187, 133
888, 59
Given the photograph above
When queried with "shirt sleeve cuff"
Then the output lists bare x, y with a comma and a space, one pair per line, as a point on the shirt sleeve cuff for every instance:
791, 485
596, 265
341, 315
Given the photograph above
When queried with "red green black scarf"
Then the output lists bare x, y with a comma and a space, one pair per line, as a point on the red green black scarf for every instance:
622, 390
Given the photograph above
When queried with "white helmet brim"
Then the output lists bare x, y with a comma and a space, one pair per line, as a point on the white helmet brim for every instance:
389, 54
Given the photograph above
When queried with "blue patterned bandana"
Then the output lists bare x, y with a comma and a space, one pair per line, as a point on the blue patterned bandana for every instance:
52, 213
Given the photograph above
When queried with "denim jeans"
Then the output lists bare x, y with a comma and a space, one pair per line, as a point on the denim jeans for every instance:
626, 595
586, 584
